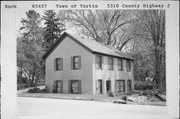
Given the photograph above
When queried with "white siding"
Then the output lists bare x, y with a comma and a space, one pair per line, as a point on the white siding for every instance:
106, 74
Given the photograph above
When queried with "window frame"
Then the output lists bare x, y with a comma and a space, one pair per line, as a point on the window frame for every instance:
58, 66
56, 86
76, 63
78, 82
128, 65
120, 64
110, 64
120, 89
99, 62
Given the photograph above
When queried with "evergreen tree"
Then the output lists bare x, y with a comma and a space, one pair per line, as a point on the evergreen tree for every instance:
53, 28
29, 49
31, 26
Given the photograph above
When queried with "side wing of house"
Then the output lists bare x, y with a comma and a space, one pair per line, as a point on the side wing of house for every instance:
69, 68
112, 74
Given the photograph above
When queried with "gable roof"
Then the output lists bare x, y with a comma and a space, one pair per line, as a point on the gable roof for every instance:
90, 45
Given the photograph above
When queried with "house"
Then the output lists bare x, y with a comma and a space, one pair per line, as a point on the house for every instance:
77, 65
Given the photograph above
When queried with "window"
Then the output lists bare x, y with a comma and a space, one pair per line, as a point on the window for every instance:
58, 64
129, 84
76, 62
75, 86
58, 86
120, 86
128, 65
120, 64
98, 62
110, 63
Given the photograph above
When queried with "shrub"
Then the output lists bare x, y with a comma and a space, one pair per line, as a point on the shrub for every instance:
30, 91
110, 94
143, 86
34, 90
147, 93
124, 97
54, 91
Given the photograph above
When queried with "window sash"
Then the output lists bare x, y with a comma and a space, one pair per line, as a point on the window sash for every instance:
75, 86
128, 65
76, 62
120, 85
98, 62
58, 64
120, 64
110, 63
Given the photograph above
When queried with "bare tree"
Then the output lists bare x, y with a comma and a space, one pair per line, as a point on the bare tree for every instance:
154, 22
104, 26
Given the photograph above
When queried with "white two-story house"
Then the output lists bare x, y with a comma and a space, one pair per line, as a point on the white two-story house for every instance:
77, 65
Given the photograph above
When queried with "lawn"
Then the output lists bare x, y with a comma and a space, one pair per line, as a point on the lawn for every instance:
103, 98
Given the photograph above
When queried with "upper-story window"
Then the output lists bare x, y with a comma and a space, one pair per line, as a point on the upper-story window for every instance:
58, 64
76, 62
110, 63
98, 62
120, 64
128, 65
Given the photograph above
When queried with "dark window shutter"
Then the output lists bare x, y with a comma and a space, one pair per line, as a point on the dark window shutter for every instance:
126, 65
71, 62
79, 86
79, 62
69, 86
61, 64
102, 86
54, 64
96, 61
96, 86
129, 65
61, 86
102, 62
122, 64
124, 85
115, 88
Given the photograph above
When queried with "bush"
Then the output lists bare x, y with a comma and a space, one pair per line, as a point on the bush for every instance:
34, 90
147, 93
30, 91
124, 97
110, 94
143, 86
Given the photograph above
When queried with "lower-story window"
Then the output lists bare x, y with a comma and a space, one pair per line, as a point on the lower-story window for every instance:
58, 86
120, 85
75, 86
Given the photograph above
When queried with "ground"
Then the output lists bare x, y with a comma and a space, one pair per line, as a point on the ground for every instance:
88, 97
44, 108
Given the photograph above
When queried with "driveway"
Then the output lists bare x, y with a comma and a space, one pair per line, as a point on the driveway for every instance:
43, 108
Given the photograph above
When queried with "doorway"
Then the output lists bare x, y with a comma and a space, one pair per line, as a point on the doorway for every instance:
99, 87
108, 85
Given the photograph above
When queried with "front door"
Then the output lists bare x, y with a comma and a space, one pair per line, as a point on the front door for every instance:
108, 85
99, 87
129, 85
